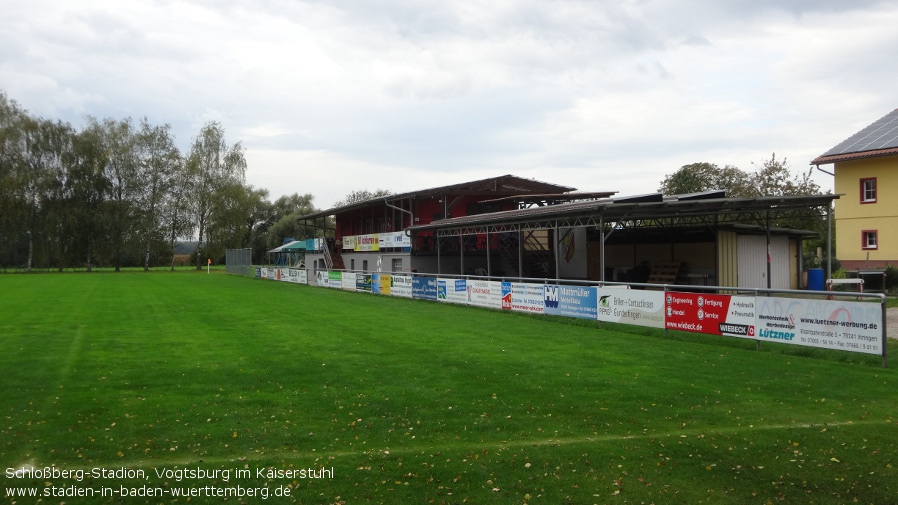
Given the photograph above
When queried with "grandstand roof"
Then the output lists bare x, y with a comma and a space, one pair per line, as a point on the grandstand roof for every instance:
496, 187
636, 211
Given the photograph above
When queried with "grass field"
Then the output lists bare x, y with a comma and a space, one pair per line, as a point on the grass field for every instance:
387, 400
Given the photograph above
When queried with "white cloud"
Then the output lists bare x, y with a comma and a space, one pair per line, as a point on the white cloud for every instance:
329, 97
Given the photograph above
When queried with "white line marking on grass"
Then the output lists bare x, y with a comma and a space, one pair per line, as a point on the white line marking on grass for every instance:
478, 445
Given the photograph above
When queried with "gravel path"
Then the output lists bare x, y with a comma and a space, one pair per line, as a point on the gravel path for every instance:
892, 322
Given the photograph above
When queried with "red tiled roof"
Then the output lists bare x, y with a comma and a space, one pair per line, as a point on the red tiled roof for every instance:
833, 158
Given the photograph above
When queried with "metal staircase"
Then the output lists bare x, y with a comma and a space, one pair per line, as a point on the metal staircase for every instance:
333, 260
534, 259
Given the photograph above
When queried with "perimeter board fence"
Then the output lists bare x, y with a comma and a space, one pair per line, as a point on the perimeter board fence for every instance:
852, 322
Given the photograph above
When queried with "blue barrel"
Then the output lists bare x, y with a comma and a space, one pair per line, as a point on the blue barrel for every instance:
815, 279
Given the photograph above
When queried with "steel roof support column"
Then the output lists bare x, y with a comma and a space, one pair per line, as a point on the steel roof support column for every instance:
555, 252
829, 243
489, 253
461, 252
769, 281
602, 247
438, 237
520, 253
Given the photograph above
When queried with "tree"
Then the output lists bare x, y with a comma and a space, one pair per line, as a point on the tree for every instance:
119, 145
175, 214
211, 167
86, 189
774, 178
157, 161
360, 196
12, 117
701, 177
285, 222
58, 222
228, 222
43, 149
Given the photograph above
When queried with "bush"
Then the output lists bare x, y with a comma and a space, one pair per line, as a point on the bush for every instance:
891, 280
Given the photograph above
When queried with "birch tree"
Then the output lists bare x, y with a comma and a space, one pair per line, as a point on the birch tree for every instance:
212, 166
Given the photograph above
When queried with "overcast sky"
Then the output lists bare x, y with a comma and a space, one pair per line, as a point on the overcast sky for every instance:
328, 97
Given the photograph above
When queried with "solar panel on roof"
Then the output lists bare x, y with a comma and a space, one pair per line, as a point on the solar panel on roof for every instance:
883, 134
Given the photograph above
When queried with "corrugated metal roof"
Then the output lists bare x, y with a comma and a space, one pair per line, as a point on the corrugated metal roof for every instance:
642, 207
503, 185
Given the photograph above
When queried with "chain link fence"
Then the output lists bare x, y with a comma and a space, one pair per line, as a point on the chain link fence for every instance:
240, 262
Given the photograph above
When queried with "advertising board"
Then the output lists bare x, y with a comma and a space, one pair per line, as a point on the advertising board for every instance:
570, 301
363, 282
401, 285
452, 290
485, 293
733, 316
424, 288
830, 324
630, 306
526, 297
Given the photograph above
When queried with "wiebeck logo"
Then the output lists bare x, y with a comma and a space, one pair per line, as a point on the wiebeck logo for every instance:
603, 302
551, 296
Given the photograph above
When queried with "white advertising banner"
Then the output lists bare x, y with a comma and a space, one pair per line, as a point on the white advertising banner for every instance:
348, 280
631, 306
831, 324
485, 293
527, 298
452, 290
293, 275
401, 285
395, 239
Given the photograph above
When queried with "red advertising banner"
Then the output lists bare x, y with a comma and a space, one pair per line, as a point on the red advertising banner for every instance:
712, 314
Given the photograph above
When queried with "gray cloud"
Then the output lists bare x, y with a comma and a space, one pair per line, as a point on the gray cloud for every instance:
598, 95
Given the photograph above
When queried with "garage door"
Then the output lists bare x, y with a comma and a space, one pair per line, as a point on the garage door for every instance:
752, 261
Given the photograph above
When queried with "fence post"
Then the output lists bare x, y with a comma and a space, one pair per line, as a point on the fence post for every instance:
885, 333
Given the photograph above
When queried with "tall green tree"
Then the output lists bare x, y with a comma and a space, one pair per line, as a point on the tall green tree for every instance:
284, 219
58, 223
86, 191
175, 213
701, 177
119, 145
773, 177
12, 117
158, 159
43, 150
212, 167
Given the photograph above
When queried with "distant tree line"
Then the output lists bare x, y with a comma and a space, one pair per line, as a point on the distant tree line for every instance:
119, 193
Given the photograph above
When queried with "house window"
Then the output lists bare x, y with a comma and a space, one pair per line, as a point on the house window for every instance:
868, 190
870, 240
397, 264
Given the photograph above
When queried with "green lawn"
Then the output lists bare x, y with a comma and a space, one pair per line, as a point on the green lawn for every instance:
416, 402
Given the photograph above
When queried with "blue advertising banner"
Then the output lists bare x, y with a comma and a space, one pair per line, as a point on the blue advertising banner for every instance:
424, 288
570, 301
